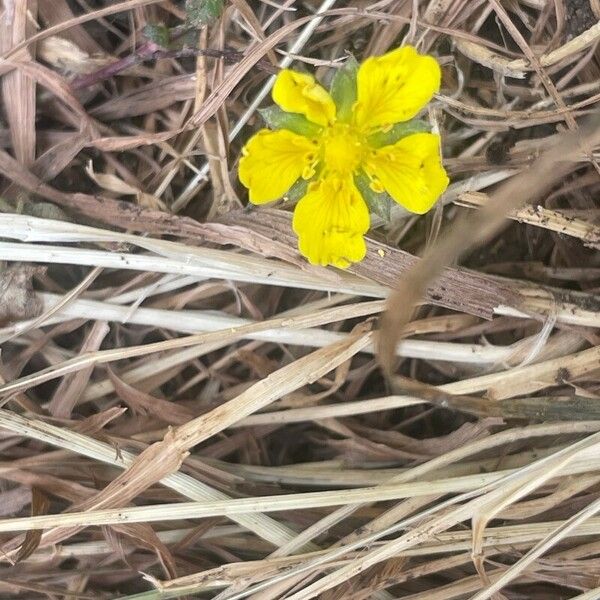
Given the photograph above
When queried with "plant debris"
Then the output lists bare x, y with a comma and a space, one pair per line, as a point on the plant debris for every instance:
189, 409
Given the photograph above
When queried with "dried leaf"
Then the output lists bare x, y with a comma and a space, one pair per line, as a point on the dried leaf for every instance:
475, 228
40, 504
18, 90
138, 401
18, 300
144, 535
116, 185
66, 55
72, 386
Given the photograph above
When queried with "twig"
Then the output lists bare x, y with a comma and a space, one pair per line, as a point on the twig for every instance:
152, 51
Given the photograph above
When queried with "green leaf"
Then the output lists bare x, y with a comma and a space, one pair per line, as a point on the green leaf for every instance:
276, 118
157, 33
201, 12
343, 89
379, 204
397, 132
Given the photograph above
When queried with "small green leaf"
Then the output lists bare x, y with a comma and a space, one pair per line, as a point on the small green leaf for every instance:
201, 12
276, 118
397, 132
157, 33
297, 191
343, 89
379, 204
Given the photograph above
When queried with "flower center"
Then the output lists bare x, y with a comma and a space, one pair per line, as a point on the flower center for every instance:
341, 149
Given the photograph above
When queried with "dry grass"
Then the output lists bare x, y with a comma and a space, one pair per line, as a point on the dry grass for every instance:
190, 410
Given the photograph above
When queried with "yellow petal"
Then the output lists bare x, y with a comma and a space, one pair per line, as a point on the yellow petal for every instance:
272, 161
330, 222
300, 93
394, 87
410, 171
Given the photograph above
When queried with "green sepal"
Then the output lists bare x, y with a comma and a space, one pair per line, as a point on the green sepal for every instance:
343, 89
297, 191
397, 132
379, 204
276, 118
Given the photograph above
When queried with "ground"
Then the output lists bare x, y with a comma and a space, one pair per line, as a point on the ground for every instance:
189, 409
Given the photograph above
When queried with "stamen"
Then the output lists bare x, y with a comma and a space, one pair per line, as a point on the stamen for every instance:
376, 186
308, 172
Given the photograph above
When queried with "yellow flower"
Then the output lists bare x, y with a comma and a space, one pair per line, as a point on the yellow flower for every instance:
330, 145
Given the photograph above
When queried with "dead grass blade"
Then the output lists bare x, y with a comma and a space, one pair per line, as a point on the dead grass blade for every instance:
18, 90
474, 229
202, 407
40, 504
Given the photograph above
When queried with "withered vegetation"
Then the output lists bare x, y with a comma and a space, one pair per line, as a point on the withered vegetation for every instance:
189, 410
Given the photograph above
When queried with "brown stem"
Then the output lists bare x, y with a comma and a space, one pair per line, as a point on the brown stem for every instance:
152, 51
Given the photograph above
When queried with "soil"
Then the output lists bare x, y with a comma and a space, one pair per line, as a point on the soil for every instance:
579, 17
